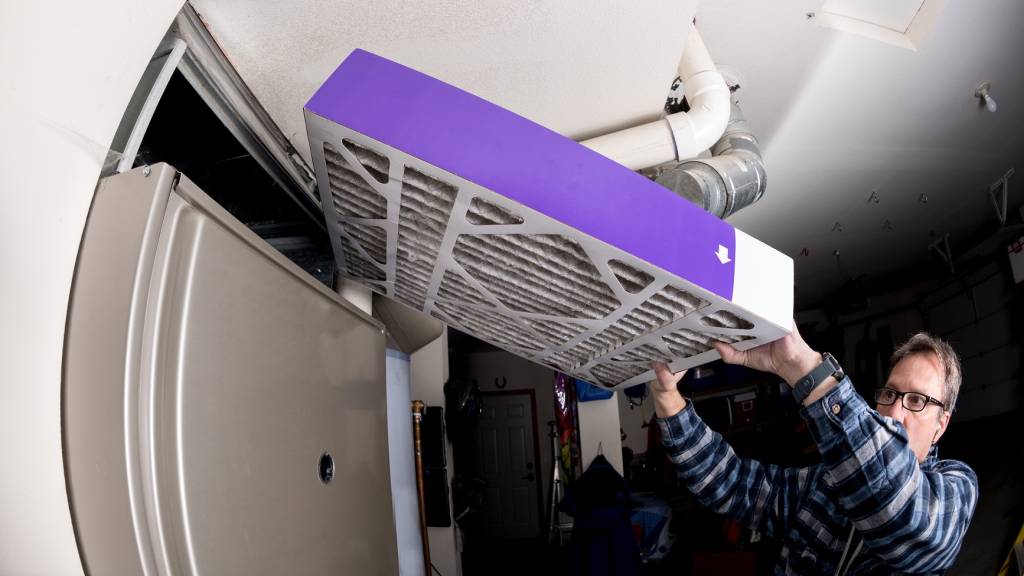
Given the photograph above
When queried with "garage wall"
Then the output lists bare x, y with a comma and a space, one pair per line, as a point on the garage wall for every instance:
980, 312
632, 422
62, 99
428, 371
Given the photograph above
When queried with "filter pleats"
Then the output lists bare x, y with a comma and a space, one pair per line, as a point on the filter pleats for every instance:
494, 285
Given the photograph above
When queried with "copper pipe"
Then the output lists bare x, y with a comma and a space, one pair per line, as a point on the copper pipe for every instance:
417, 418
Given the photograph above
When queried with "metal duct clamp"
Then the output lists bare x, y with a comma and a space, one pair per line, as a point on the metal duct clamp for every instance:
732, 179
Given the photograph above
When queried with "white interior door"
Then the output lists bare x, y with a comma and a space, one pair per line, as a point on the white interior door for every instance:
507, 460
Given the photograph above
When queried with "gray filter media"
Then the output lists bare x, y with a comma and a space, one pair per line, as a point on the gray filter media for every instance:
539, 295
521, 237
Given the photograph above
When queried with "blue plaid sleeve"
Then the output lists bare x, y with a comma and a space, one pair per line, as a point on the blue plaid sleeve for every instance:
760, 496
912, 518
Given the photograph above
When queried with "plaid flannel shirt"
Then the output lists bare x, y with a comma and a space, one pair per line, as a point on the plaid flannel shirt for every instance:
911, 516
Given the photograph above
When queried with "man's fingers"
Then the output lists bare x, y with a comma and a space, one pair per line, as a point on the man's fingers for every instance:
729, 354
662, 369
665, 375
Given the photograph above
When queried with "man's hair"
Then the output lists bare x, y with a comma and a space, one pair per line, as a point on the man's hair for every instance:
922, 342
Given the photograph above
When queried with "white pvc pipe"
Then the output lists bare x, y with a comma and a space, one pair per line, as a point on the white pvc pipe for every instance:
637, 147
678, 136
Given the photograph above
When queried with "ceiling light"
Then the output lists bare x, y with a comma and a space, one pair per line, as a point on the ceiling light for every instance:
982, 93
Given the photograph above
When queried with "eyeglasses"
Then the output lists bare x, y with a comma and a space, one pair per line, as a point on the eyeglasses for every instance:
913, 401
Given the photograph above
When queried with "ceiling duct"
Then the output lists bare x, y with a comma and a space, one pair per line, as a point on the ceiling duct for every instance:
733, 178
521, 237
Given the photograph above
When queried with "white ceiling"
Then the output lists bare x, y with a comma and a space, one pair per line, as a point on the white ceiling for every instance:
579, 67
838, 115
841, 116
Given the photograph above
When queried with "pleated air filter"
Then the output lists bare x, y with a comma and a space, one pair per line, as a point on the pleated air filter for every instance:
521, 237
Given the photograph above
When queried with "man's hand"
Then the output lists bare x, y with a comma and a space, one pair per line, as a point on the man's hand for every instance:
789, 358
666, 381
667, 399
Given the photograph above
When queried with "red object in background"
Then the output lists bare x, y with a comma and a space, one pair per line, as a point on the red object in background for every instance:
734, 563
1015, 252
638, 533
733, 531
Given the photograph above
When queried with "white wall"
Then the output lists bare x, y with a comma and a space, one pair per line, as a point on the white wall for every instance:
429, 371
632, 420
69, 69
402, 460
599, 431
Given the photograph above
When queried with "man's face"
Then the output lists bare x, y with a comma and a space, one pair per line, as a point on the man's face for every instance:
920, 373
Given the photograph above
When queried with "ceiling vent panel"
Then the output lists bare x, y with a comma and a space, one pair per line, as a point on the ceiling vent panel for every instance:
903, 23
516, 235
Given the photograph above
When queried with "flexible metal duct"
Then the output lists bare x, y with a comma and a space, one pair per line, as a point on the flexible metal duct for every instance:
732, 179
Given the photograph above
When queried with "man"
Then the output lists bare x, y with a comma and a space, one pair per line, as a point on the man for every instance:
880, 501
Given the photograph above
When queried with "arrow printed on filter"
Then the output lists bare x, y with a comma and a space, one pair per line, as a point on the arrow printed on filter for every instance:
723, 254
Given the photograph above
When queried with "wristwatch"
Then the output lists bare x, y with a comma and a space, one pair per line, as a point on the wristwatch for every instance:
829, 367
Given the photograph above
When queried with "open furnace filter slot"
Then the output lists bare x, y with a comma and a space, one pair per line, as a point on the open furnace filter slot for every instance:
521, 237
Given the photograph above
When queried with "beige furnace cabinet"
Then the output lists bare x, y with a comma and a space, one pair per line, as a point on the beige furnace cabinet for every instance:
223, 412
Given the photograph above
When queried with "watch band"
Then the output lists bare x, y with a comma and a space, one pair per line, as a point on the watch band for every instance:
829, 367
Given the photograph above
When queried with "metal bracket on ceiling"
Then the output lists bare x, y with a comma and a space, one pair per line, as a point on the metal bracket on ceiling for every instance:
941, 247
839, 264
998, 193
